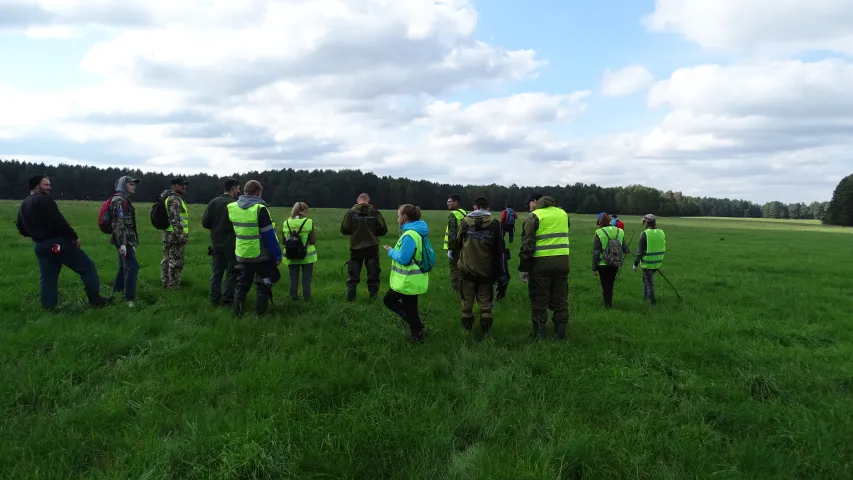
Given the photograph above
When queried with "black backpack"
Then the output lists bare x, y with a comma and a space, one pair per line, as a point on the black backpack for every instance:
159, 215
294, 249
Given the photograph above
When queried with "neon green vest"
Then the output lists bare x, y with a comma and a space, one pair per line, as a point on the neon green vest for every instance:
552, 236
250, 247
185, 216
655, 249
613, 232
292, 224
409, 279
459, 214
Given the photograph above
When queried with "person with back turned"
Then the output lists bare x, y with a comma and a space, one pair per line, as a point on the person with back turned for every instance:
608, 250
222, 243
257, 250
544, 263
650, 253
364, 224
481, 262
55, 244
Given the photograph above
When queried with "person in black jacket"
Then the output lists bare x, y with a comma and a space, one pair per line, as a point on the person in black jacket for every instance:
222, 243
55, 244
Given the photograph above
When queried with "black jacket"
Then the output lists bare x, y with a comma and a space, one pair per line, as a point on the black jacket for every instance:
215, 219
39, 218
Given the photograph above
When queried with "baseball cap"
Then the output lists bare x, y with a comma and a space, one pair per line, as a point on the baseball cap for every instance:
132, 180
180, 181
534, 197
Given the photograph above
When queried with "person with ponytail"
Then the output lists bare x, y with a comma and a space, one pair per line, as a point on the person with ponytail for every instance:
407, 279
299, 222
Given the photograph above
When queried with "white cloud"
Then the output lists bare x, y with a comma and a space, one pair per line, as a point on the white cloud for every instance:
626, 81
758, 26
227, 86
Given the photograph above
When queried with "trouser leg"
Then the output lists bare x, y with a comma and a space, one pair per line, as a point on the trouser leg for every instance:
293, 277
485, 295
218, 267
468, 293
307, 276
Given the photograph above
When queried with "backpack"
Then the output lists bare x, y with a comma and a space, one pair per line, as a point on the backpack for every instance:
159, 215
613, 254
105, 221
428, 261
294, 249
510, 216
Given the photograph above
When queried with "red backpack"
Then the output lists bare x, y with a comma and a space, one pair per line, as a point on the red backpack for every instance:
105, 222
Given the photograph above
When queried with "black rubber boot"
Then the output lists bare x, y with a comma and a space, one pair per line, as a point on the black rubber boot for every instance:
560, 331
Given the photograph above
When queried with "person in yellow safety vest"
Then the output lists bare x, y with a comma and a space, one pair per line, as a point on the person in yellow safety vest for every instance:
300, 227
407, 280
257, 250
176, 235
602, 267
450, 239
544, 264
650, 253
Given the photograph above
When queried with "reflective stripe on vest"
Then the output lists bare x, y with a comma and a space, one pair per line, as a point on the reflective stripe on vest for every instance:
459, 214
409, 279
613, 232
310, 251
185, 215
249, 246
552, 236
655, 249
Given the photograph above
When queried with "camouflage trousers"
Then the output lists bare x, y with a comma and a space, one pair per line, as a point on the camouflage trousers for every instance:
483, 294
172, 264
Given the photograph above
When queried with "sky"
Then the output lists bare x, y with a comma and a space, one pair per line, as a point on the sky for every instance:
749, 100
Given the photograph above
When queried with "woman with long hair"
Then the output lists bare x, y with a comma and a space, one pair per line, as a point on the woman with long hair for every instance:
299, 225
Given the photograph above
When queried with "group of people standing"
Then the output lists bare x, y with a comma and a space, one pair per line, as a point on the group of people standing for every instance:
245, 250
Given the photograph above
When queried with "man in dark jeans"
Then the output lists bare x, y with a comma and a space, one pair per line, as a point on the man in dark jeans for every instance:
364, 224
56, 244
222, 243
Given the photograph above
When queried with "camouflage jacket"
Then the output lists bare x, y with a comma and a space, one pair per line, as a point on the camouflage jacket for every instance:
173, 208
123, 216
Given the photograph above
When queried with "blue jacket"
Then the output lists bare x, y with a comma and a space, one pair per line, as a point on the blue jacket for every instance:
407, 249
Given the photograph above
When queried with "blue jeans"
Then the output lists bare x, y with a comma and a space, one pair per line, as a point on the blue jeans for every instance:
51, 263
128, 271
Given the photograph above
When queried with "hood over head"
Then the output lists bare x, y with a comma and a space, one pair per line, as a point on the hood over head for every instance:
121, 185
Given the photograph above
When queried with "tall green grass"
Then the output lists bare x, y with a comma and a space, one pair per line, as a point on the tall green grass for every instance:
751, 377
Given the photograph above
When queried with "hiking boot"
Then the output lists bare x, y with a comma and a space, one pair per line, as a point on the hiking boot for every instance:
100, 301
653, 301
373, 295
350, 294
467, 325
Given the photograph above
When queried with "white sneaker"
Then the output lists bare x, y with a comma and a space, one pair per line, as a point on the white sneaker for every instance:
130, 304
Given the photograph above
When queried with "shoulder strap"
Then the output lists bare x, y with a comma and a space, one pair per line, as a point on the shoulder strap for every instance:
300, 226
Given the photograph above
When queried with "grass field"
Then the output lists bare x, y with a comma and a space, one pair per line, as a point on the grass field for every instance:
751, 377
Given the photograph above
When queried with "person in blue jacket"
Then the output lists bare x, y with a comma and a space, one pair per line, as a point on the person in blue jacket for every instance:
407, 280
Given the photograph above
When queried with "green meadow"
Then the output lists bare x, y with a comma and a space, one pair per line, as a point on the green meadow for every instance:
751, 376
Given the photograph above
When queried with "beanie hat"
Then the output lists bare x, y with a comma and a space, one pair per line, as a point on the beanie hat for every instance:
35, 180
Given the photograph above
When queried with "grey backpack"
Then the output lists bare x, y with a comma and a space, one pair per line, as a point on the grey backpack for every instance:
612, 251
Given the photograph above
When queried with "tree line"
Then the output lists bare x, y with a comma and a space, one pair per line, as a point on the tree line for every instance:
338, 189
